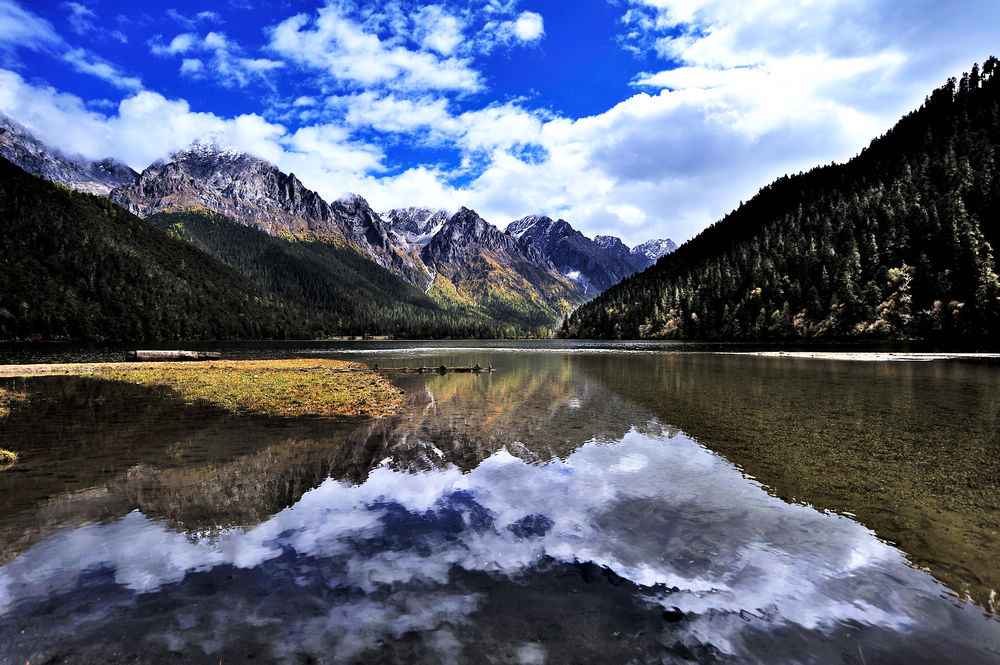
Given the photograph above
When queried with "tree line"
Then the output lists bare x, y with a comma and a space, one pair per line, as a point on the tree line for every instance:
896, 243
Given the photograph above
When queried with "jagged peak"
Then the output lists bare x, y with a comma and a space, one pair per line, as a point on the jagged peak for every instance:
353, 201
655, 248
605, 241
214, 144
519, 227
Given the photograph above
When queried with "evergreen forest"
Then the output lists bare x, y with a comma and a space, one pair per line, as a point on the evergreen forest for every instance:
897, 243
74, 266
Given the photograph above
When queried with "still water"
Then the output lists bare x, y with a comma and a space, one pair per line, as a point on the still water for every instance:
612, 503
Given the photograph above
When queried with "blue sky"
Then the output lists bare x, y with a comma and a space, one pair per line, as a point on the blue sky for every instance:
641, 118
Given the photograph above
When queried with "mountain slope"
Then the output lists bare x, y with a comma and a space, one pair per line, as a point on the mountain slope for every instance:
256, 193
652, 250
572, 253
75, 266
485, 280
24, 150
615, 247
340, 290
416, 225
479, 268
898, 242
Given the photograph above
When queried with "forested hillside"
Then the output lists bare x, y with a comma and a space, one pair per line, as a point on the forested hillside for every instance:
896, 243
77, 266
346, 292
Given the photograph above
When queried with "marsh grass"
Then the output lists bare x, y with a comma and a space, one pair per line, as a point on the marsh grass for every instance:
8, 398
7, 458
293, 387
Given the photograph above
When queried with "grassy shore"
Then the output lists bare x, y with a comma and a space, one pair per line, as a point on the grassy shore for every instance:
292, 387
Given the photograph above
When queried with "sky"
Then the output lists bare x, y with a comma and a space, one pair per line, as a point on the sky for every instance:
637, 118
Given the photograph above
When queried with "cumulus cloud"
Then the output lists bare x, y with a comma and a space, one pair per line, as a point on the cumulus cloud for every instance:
340, 46
525, 28
179, 44
191, 66
438, 30
221, 58
528, 27
723, 108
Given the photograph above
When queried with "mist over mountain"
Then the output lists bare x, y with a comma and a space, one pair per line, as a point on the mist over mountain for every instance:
20, 147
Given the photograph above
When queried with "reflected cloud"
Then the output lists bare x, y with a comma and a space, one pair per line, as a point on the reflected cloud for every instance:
409, 554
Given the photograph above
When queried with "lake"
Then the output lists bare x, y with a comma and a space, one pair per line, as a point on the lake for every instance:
585, 502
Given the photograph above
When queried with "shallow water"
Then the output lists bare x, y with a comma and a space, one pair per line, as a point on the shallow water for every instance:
584, 503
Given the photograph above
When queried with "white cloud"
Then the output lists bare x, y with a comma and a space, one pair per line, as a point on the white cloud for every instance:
390, 113
528, 27
744, 93
217, 41
192, 22
223, 59
80, 17
191, 66
182, 43
87, 63
258, 65
437, 30
342, 47
148, 127
21, 28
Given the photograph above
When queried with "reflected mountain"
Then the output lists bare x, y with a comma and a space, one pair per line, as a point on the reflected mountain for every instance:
94, 450
907, 449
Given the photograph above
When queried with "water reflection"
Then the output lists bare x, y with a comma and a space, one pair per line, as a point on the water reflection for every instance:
705, 562
544, 513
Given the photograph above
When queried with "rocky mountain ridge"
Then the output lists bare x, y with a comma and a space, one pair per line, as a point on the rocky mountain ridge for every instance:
461, 259
256, 193
417, 245
652, 250
594, 264
21, 148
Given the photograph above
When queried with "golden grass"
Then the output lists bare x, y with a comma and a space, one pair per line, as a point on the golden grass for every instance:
7, 459
272, 387
8, 398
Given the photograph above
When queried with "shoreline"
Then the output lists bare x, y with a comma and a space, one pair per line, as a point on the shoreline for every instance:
866, 356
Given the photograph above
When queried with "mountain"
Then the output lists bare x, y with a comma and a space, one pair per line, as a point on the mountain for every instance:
576, 256
336, 288
896, 243
613, 246
256, 193
652, 250
416, 225
22, 149
76, 266
479, 268
478, 279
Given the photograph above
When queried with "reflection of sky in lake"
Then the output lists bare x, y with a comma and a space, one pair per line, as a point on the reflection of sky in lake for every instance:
718, 569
